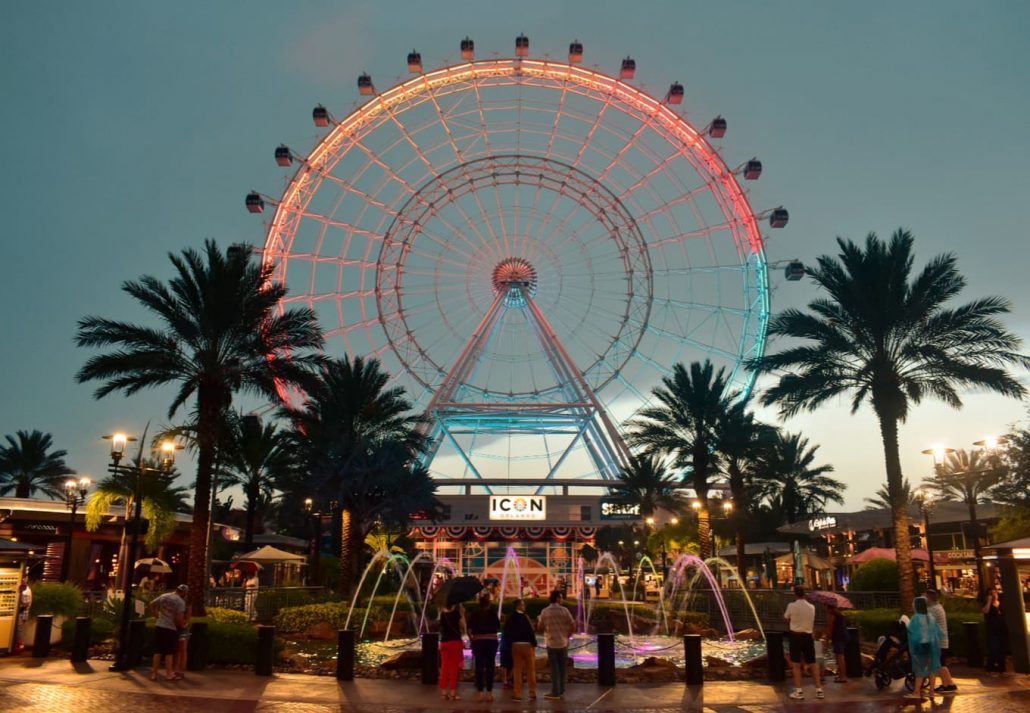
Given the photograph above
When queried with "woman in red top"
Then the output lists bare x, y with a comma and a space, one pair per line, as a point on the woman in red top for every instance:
452, 631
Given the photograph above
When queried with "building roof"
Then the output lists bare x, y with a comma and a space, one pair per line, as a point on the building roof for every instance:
1021, 543
946, 511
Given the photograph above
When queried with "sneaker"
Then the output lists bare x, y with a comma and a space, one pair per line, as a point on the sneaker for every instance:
797, 695
946, 689
552, 696
819, 693
516, 698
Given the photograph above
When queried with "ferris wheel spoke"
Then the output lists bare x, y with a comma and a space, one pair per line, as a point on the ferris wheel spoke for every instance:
317, 259
618, 158
327, 296
342, 224
687, 197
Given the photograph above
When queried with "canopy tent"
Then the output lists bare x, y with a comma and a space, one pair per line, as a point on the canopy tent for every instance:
270, 555
918, 554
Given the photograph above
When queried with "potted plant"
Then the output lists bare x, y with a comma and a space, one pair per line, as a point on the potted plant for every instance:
59, 599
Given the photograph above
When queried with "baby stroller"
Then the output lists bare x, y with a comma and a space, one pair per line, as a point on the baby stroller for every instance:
892, 660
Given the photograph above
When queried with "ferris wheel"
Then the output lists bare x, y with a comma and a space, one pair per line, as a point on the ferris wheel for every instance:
528, 246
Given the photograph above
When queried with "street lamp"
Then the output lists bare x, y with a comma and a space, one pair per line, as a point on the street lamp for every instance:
316, 536
74, 495
927, 503
166, 460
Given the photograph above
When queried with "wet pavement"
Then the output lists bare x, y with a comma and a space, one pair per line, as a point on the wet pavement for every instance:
55, 686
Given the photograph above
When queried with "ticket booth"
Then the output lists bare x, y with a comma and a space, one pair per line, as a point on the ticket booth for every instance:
13, 557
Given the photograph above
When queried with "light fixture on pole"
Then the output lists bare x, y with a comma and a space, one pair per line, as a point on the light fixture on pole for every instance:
75, 492
316, 537
166, 459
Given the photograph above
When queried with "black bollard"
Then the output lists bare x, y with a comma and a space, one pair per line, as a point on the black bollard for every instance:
137, 632
199, 647
80, 645
853, 653
430, 659
345, 655
974, 657
41, 644
606, 659
265, 650
692, 658
774, 654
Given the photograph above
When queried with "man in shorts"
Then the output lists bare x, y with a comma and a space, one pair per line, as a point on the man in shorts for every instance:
170, 610
935, 610
800, 615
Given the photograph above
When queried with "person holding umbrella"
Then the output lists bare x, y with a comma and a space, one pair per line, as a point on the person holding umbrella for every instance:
837, 635
453, 630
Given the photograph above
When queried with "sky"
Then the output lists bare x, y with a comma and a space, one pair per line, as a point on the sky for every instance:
134, 129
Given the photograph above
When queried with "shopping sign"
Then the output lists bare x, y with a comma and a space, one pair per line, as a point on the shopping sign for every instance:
518, 507
619, 510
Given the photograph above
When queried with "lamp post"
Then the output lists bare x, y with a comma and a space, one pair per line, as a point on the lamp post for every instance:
927, 503
316, 537
136, 470
74, 495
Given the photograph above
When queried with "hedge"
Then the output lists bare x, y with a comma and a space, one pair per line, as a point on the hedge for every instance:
218, 615
873, 623
296, 619
101, 630
56, 598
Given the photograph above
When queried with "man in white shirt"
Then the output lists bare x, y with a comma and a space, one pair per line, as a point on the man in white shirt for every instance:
800, 615
936, 612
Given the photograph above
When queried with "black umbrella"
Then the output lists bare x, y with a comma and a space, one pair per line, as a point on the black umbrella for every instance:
457, 590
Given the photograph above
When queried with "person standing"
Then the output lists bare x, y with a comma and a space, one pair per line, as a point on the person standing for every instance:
997, 632
170, 611
452, 648
837, 635
518, 632
483, 627
250, 595
24, 606
597, 587
183, 644
558, 625
936, 611
800, 616
924, 646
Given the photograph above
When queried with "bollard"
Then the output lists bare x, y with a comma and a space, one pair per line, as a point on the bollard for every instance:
973, 656
606, 660
80, 645
199, 647
345, 655
853, 653
692, 657
265, 650
41, 644
430, 659
137, 632
774, 654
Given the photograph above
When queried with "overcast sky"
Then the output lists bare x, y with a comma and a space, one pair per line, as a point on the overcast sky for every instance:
133, 129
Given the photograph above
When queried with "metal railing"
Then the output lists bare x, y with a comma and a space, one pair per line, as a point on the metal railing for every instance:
261, 604
771, 603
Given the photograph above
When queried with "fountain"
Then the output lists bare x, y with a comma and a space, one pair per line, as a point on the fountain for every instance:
684, 573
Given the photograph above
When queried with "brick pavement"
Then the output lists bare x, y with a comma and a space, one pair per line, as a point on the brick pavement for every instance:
55, 686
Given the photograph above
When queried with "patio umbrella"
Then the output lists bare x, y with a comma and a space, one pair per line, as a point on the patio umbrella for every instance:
270, 555
830, 598
247, 567
457, 590
152, 565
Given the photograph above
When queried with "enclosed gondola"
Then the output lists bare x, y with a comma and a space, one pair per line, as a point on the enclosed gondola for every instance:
794, 270
365, 85
320, 115
283, 157
521, 46
717, 129
675, 95
468, 49
255, 204
779, 217
414, 62
753, 169
575, 52
628, 69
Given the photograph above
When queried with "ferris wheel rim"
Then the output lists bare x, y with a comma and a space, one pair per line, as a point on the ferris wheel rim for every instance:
307, 179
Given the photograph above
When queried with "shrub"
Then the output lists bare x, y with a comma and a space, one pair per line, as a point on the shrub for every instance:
101, 629
233, 643
297, 619
871, 623
217, 615
876, 575
56, 598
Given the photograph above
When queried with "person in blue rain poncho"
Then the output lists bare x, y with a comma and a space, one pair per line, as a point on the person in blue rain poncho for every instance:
924, 646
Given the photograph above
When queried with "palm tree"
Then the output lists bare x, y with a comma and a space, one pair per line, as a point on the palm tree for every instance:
257, 458
162, 498
646, 483
349, 414
881, 499
743, 445
28, 464
967, 477
221, 333
686, 422
790, 483
885, 336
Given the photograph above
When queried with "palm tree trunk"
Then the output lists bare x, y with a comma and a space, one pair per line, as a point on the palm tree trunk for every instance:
978, 557
348, 551
737, 492
22, 489
899, 507
704, 530
252, 497
207, 423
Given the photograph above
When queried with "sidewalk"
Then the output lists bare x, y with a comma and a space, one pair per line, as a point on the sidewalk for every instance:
54, 685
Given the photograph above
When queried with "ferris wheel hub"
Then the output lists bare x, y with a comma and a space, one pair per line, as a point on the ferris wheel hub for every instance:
514, 275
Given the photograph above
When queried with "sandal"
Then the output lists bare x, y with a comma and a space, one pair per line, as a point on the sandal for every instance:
153, 675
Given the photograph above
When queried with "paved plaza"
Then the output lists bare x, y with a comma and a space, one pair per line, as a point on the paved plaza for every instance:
55, 685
